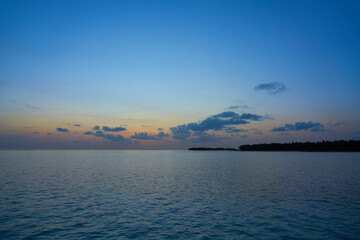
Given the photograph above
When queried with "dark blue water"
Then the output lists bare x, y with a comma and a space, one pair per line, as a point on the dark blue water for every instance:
179, 195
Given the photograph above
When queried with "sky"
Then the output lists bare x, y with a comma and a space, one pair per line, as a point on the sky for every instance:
177, 74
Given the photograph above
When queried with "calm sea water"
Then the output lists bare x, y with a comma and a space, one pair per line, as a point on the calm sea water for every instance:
179, 195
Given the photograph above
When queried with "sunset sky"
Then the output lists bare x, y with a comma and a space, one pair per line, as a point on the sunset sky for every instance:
177, 74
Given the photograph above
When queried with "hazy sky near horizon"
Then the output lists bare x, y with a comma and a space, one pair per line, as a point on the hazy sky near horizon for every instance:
175, 74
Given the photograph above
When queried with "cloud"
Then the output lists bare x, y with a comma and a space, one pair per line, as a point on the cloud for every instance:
99, 134
299, 126
244, 136
234, 130
160, 129
147, 136
237, 107
204, 137
271, 88
279, 129
219, 121
337, 124
26, 105
35, 133
258, 132
31, 107
216, 122
162, 134
62, 130
180, 132
96, 127
49, 133
116, 138
110, 137
77, 125
113, 129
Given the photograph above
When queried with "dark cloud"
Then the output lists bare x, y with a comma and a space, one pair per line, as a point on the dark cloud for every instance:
62, 130
271, 88
49, 133
299, 126
99, 134
113, 129
220, 121
116, 138
147, 136
244, 136
163, 134
35, 133
160, 129
337, 124
77, 125
180, 132
216, 122
96, 127
110, 137
144, 136
279, 129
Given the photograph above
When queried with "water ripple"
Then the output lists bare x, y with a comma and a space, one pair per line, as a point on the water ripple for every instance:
178, 195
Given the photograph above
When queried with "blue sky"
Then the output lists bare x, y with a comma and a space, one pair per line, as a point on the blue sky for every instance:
145, 65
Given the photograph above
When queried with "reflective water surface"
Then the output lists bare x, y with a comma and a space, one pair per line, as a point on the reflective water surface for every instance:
179, 195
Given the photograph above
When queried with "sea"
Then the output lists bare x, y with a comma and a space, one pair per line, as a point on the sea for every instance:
71, 194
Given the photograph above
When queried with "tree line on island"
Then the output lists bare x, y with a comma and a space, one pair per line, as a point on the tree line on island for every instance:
324, 146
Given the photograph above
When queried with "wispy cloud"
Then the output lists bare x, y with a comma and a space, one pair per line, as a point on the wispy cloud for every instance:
235, 130
238, 107
205, 137
337, 124
271, 88
299, 126
28, 106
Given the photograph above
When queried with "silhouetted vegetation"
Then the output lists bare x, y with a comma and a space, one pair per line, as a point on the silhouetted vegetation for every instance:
324, 146
212, 149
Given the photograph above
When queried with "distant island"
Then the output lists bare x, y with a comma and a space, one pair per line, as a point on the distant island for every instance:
324, 146
212, 149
